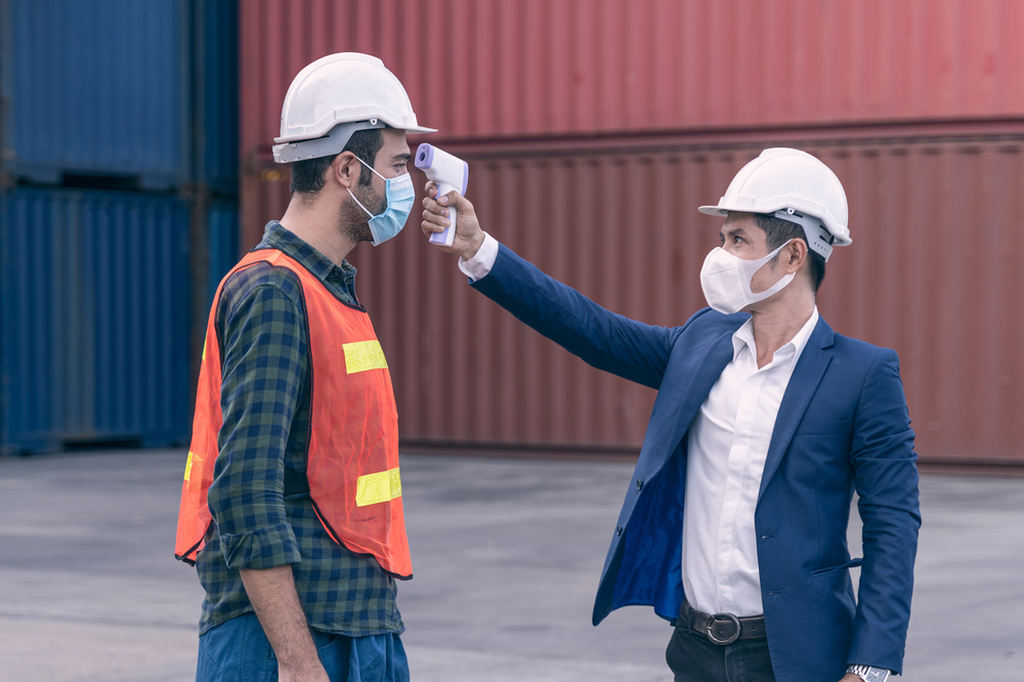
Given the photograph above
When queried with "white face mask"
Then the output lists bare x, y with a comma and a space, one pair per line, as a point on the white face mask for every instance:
725, 279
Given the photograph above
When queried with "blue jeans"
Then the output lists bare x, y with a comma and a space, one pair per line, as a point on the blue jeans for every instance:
238, 651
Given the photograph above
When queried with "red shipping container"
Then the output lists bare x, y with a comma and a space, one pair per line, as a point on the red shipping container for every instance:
594, 129
486, 69
936, 271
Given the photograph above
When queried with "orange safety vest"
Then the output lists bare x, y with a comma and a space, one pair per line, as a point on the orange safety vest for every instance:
352, 456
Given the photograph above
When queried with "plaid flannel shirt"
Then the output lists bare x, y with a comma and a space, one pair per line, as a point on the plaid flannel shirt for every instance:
265, 399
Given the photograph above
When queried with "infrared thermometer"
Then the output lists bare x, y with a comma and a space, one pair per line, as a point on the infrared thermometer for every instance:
448, 172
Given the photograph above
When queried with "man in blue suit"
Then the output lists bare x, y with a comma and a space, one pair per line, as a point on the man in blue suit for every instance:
734, 525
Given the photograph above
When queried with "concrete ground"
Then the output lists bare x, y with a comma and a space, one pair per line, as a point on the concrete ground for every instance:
507, 555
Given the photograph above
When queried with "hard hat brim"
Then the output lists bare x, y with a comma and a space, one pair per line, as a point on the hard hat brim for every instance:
419, 129
290, 151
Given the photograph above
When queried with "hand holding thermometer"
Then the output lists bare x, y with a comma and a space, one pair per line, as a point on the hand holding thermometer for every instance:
448, 172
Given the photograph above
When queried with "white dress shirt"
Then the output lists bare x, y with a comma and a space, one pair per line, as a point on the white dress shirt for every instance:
726, 451
727, 448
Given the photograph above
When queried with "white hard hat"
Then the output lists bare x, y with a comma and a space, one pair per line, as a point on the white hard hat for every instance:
348, 88
795, 186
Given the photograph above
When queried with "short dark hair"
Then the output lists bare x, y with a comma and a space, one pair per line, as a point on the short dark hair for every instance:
308, 175
779, 231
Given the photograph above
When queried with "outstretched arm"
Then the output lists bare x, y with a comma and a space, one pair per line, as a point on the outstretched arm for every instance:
608, 341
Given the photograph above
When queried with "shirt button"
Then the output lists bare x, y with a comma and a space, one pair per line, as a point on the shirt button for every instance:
639, 484
618, 530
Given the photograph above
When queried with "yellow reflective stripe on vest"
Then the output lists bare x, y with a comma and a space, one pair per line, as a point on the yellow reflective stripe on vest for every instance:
188, 465
364, 355
379, 487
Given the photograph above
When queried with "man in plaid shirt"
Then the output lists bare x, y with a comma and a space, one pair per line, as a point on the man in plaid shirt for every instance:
285, 597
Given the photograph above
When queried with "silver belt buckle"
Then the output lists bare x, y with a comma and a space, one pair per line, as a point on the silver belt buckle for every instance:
728, 618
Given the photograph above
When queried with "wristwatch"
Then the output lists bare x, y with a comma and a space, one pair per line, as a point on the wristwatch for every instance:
868, 673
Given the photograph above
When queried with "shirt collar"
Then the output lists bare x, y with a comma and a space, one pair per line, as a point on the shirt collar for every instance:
743, 338
276, 236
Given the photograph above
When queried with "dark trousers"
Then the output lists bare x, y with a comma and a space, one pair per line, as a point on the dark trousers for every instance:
693, 658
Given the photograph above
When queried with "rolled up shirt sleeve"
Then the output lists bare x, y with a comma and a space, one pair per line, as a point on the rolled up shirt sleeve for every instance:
264, 366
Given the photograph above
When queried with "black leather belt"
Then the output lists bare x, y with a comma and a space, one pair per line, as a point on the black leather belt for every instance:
721, 628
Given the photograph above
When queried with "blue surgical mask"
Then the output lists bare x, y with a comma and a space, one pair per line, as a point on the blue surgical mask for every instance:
400, 195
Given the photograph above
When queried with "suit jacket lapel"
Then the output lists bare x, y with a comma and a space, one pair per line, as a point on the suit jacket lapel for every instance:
704, 372
806, 376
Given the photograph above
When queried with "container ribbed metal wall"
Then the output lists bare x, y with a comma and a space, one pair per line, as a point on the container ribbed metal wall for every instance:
94, 323
594, 128
120, 88
222, 245
96, 87
935, 271
491, 68
215, 91
99, 307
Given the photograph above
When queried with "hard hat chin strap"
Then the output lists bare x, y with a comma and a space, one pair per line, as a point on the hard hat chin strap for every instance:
819, 239
328, 145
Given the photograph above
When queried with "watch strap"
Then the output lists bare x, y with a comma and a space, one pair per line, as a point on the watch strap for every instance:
868, 673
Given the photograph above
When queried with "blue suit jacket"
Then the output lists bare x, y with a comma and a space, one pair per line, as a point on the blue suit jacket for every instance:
842, 424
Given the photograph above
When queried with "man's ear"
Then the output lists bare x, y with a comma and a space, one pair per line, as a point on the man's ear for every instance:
345, 169
795, 254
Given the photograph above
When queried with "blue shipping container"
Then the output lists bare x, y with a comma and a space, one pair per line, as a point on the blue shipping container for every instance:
110, 87
222, 243
216, 25
94, 326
